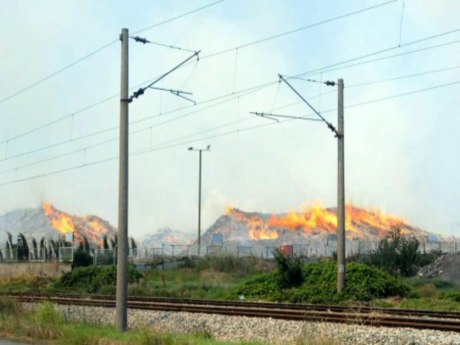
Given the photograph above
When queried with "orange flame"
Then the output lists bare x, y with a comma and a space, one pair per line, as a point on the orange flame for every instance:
90, 227
258, 228
60, 221
360, 223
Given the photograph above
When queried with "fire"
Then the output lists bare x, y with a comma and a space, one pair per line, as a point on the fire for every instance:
91, 227
59, 220
258, 227
315, 219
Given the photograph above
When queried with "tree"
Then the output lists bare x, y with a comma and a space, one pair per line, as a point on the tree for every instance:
34, 248
397, 254
133, 246
23, 248
82, 256
290, 270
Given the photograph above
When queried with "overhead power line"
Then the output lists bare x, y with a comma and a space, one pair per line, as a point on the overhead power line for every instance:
225, 98
94, 52
330, 67
302, 28
162, 147
49, 76
179, 16
325, 68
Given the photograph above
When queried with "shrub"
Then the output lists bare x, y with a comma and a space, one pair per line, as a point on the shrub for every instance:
289, 270
320, 283
92, 278
81, 258
427, 290
264, 285
397, 254
453, 296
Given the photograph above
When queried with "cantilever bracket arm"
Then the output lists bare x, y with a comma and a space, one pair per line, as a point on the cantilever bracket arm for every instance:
329, 125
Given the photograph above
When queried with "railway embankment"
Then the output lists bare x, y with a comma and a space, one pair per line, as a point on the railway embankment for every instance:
266, 330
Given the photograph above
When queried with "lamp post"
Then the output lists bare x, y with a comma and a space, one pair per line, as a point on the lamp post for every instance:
208, 148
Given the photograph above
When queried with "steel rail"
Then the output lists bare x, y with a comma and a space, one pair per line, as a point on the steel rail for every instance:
449, 321
306, 307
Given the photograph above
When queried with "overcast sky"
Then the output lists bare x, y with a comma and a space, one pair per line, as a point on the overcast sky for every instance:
401, 152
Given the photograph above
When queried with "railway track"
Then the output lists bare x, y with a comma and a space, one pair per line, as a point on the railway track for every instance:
389, 317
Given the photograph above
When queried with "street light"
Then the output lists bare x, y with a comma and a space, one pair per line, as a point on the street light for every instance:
191, 148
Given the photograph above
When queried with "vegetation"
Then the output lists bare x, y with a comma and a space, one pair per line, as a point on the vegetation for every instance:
364, 283
399, 255
289, 270
45, 324
210, 278
91, 279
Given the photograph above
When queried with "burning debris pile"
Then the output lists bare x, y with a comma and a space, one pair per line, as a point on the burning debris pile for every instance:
50, 223
313, 224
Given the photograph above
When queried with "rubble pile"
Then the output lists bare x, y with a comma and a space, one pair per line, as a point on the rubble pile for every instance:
445, 267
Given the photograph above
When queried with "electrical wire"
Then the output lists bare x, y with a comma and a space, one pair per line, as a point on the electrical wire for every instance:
178, 16
159, 147
67, 141
289, 32
239, 93
327, 68
338, 67
94, 52
49, 76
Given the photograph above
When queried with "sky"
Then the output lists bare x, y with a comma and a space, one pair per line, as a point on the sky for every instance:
60, 70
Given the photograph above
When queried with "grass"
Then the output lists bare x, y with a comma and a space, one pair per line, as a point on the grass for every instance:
230, 277
426, 293
26, 284
206, 278
45, 325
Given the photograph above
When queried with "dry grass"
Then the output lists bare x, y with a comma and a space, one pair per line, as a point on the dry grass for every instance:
315, 334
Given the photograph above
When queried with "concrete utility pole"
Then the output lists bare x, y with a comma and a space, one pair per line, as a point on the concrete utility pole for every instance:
121, 318
339, 134
199, 205
208, 148
340, 193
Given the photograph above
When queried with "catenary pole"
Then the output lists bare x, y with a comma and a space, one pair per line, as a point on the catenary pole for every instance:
199, 205
121, 318
340, 193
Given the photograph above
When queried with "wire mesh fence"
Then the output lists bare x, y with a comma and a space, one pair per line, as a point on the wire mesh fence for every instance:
170, 252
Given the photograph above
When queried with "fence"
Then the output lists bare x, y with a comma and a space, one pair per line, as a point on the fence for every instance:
307, 250
15, 254
174, 252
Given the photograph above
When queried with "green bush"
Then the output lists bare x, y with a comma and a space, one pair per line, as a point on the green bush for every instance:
92, 278
81, 258
397, 254
320, 283
453, 296
289, 270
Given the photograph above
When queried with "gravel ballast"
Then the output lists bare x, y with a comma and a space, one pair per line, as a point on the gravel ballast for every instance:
271, 331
